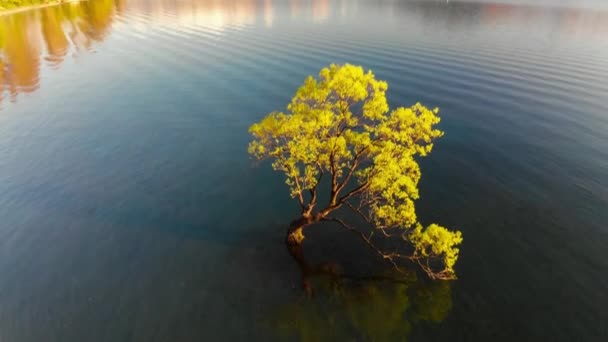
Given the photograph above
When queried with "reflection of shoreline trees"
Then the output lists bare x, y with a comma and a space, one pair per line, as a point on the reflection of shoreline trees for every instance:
219, 14
53, 31
569, 21
361, 309
57, 30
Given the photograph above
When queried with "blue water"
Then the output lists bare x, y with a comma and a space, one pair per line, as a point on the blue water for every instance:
130, 210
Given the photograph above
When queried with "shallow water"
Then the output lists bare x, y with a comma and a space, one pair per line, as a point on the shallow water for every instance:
130, 210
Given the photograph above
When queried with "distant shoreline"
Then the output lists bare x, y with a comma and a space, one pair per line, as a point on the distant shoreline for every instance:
33, 7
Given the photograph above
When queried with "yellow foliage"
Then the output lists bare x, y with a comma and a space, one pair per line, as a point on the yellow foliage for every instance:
437, 240
340, 124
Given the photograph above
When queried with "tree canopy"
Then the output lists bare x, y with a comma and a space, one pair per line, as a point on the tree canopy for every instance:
339, 126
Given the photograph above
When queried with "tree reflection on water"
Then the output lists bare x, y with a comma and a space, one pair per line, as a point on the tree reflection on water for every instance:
374, 309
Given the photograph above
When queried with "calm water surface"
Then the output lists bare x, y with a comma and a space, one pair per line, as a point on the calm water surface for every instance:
130, 211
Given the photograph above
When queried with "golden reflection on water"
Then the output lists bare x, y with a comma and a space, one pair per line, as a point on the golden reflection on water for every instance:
49, 33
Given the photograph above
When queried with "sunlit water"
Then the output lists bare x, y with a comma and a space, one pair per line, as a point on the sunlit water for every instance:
130, 211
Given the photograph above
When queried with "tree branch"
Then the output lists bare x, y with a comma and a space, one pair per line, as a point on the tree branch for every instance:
368, 241
422, 261
354, 192
358, 211
351, 171
369, 220
300, 196
334, 175
338, 203
313, 191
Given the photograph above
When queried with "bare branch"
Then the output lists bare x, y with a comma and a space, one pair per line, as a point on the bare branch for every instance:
354, 192
422, 261
368, 241
369, 220
361, 214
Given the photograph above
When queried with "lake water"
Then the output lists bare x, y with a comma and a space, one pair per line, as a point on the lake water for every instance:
130, 210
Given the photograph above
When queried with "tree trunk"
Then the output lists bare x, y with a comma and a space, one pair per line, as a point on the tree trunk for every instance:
295, 234
293, 240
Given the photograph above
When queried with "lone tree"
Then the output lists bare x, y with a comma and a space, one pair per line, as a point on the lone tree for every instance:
339, 135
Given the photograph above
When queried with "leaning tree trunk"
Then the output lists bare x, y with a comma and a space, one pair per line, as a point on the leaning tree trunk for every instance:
294, 240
